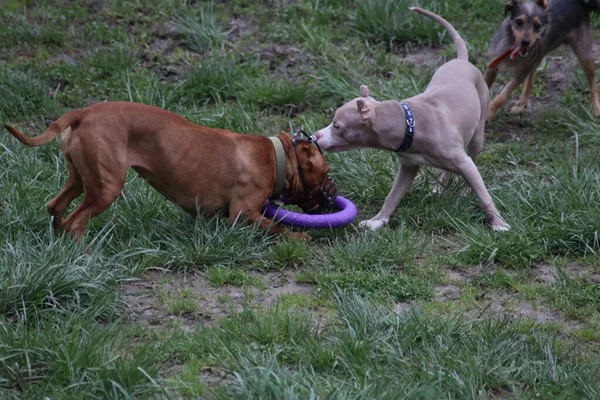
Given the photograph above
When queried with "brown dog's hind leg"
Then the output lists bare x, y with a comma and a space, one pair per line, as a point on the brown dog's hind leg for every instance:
93, 204
582, 45
59, 204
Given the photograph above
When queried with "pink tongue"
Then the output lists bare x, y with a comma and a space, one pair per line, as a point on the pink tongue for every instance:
514, 53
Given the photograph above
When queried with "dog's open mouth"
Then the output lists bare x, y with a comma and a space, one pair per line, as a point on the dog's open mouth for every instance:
522, 51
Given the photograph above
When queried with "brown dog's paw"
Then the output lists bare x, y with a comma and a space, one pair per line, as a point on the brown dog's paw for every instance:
298, 236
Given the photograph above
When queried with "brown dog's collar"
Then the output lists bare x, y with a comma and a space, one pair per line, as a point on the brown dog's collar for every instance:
279, 165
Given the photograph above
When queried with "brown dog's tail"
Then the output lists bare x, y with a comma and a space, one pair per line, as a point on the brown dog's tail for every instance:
461, 47
58, 126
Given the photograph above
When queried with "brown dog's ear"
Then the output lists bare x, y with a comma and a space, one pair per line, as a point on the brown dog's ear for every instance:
366, 111
511, 5
364, 91
542, 3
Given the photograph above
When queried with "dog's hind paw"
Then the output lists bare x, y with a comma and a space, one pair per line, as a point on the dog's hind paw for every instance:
500, 226
372, 224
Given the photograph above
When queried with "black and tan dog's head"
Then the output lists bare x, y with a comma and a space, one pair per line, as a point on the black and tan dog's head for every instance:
528, 20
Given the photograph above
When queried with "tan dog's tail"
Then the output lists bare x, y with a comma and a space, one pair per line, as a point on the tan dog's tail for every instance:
461, 47
70, 118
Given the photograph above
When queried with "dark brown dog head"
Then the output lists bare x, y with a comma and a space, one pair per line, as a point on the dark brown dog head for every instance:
313, 190
528, 20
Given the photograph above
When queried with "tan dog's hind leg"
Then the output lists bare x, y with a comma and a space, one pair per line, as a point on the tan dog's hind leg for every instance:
405, 176
582, 45
466, 167
524, 99
58, 205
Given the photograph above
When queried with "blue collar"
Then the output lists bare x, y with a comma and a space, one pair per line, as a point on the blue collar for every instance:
410, 129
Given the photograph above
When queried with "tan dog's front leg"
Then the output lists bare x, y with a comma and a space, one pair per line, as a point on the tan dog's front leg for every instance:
466, 167
502, 98
406, 174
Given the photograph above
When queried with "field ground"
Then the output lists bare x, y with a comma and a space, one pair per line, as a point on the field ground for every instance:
434, 306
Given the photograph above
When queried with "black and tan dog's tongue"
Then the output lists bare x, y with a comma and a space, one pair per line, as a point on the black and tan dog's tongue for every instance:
521, 50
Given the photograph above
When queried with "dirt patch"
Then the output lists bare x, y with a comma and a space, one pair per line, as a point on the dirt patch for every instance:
159, 297
549, 274
427, 56
280, 58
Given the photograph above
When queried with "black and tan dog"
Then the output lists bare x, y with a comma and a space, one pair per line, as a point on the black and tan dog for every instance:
533, 29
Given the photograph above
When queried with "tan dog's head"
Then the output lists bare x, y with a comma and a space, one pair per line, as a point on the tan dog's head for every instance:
528, 20
314, 192
352, 125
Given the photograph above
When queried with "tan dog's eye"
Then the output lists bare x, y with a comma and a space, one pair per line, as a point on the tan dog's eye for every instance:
537, 27
336, 127
519, 22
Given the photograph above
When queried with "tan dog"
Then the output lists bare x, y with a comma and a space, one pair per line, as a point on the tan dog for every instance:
191, 165
449, 116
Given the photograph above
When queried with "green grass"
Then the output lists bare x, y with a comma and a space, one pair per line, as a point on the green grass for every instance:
382, 320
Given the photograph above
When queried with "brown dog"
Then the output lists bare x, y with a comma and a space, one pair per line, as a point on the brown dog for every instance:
193, 166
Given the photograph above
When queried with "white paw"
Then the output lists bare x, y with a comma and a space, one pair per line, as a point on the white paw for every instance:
500, 226
372, 224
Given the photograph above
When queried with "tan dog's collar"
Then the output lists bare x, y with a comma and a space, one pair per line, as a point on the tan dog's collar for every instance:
279, 165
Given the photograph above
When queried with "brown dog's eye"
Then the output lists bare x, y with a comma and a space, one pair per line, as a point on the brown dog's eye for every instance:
519, 22
536, 27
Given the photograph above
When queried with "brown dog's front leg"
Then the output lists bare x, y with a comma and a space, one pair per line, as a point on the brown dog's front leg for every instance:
253, 216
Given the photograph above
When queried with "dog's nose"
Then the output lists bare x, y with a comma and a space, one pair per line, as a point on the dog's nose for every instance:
525, 42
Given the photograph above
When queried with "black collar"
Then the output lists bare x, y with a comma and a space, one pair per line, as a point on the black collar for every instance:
410, 129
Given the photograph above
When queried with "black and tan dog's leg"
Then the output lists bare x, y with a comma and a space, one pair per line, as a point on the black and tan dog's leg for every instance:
490, 76
524, 98
504, 95
582, 44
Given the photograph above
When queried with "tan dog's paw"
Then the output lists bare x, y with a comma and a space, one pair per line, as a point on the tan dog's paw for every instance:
298, 236
372, 224
500, 226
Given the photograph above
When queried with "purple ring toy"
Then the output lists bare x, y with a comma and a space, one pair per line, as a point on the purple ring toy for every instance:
346, 212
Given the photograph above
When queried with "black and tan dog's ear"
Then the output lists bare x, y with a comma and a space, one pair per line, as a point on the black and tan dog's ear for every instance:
511, 5
366, 111
364, 91
542, 3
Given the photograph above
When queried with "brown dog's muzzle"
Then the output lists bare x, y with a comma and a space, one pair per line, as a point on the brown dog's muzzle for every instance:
320, 199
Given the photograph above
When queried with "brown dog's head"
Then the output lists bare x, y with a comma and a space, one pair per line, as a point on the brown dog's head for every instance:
528, 20
313, 190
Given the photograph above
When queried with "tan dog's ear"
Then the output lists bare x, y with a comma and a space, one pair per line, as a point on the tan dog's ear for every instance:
364, 91
366, 111
542, 3
511, 5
